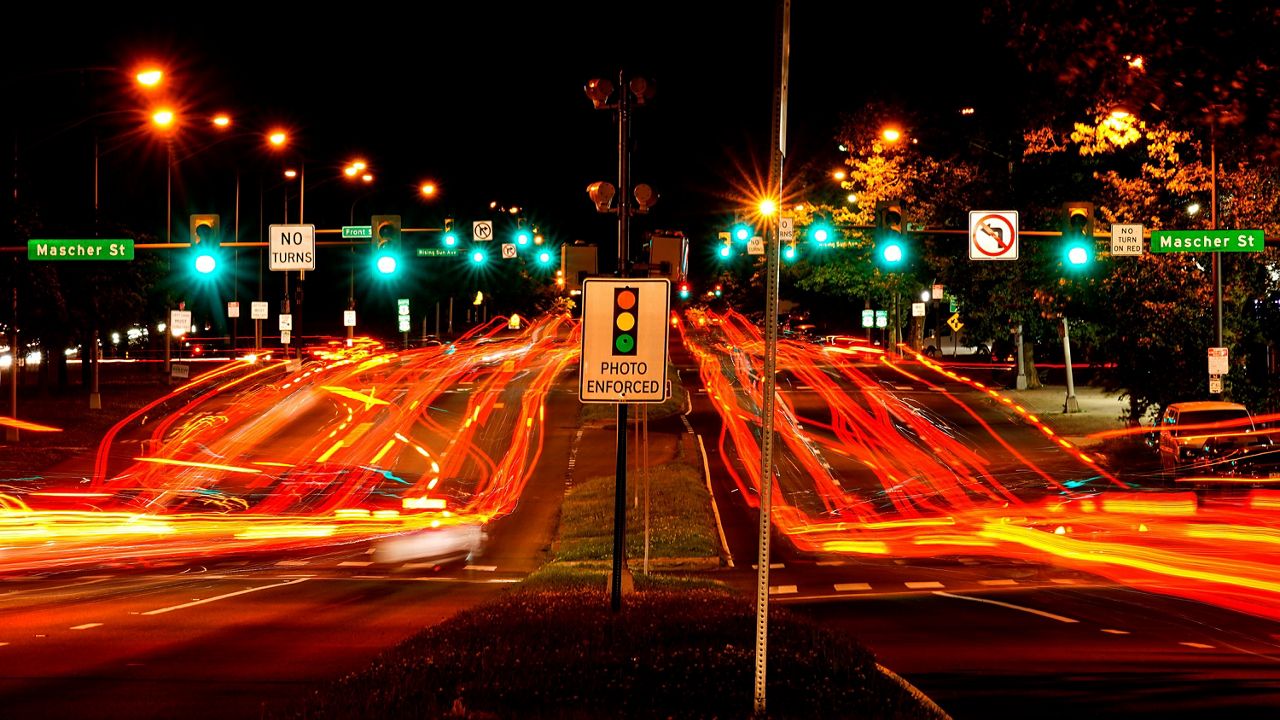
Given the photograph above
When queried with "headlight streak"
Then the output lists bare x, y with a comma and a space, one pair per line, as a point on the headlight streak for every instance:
273, 486
1218, 552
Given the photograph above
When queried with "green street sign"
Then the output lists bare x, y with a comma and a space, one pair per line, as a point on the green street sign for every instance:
357, 231
94, 249
437, 252
1163, 241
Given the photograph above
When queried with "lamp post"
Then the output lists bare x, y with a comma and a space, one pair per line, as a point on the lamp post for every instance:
358, 169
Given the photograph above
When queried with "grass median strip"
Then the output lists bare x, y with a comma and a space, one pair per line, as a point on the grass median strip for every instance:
680, 521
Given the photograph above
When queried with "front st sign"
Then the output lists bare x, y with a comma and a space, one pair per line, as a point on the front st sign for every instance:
624, 340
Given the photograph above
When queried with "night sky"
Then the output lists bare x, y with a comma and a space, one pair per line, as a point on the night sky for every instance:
484, 99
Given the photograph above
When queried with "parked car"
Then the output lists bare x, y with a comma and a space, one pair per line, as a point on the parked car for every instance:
948, 345
1211, 439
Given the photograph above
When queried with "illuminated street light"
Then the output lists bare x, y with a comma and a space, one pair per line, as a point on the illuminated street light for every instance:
891, 134
851, 198
839, 175
1193, 208
163, 118
350, 170
150, 77
367, 177
291, 174
278, 138
768, 207
428, 189
222, 120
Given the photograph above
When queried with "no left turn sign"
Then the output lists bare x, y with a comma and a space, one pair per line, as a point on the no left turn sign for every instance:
993, 234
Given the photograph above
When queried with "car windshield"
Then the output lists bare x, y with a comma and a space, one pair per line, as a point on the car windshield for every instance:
1200, 418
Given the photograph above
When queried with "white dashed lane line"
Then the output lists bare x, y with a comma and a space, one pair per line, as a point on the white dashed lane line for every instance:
482, 568
923, 585
193, 603
1198, 646
1109, 631
355, 563
998, 583
85, 626
783, 590
850, 587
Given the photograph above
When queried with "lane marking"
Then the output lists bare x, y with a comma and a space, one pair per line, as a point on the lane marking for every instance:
830, 563
1063, 581
292, 563
481, 568
2, 644
847, 587
85, 626
1109, 631
1011, 606
1198, 646
783, 589
223, 597
772, 566
368, 577
706, 473
924, 584
994, 583
96, 579
355, 563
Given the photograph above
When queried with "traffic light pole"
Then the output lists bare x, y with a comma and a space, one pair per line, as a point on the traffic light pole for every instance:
620, 472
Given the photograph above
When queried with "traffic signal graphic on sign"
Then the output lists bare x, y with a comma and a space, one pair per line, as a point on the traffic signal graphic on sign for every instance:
624, 321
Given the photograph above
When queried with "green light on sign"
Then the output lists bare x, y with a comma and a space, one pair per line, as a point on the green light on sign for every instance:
94, 249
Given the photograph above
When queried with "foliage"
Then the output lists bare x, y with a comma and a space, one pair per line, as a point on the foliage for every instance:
562, 654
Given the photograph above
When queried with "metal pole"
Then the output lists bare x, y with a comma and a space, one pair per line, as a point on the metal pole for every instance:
437, 319
168, 201
620, 479
1072, 405
778, 148
450, 316
1021, 382
1213, 221
11, 433
644, 414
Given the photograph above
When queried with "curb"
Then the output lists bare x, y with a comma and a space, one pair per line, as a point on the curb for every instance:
914, 692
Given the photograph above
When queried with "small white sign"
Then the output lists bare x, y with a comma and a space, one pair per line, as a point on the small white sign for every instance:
938, 292
348, 318
993, 234
482, 230
285, 337
787, 228
1218, 364
508, 251
917, 309
179, 322
292, 247
180, 371
1215, 384
755, 246
233, 309
258, 310
286, 322
1126, 239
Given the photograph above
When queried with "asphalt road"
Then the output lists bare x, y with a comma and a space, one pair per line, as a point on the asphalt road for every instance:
990, 637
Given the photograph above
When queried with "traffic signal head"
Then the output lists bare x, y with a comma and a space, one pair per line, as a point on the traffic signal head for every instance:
891, 237
789, 252
204, 243
545, 258
685, 291
523, 237
204, 230
741, 233
820, 233
719, 290
386, 243
1077, 234
449, 240
625, 306
601, 193
478, 257
725, 252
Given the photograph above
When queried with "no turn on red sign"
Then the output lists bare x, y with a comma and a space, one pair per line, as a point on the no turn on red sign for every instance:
993, 234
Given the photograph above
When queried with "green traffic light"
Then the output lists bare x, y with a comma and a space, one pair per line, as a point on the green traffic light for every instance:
386, 264
206, 264
522, 238
892, 253
478, 257
450, 240
544, 258
1078, 255
789, 253
821, 235
725, 252
742, 233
